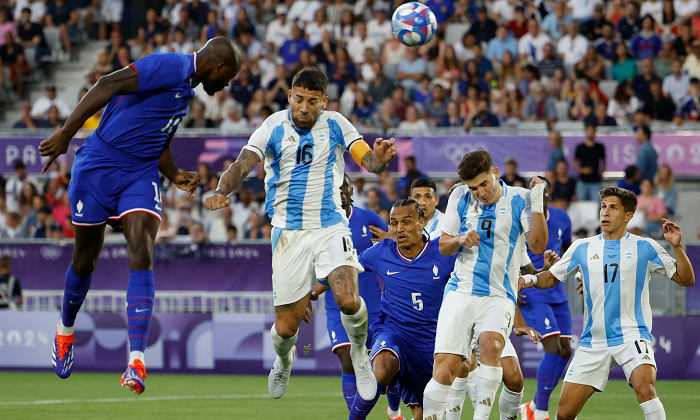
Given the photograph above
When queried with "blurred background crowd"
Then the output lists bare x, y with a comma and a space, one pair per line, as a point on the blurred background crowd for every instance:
492, 63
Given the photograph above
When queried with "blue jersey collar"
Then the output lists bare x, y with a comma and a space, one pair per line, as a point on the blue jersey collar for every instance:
422, 251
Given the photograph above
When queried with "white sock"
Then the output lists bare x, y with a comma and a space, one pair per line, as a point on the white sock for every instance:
487, 383
63, 330
455, 400
509, 403
471, 386
435, 400
356, 328
653, 410
136, 355
283, 348
539, 414
393, 414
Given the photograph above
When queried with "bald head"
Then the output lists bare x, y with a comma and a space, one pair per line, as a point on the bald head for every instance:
218, 62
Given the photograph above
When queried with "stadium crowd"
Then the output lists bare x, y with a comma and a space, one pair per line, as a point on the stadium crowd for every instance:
511, 61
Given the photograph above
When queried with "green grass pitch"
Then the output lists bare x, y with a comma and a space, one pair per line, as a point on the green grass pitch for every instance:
169, 397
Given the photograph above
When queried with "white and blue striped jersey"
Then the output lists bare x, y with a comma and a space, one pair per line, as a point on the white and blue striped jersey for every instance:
492, 268
432, 226
303, 168
616, 278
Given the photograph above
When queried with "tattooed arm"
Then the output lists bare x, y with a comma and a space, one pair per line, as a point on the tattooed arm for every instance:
232, 179
376, 160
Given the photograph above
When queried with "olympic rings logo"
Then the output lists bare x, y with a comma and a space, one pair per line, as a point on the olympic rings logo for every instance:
455, 151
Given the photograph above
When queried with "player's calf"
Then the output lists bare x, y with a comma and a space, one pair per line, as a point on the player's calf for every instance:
385, 366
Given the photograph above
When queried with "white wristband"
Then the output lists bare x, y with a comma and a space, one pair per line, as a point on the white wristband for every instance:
537, 198
530, 278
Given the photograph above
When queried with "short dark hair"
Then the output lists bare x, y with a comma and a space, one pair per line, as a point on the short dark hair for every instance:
311, 78
646, 130
411, 158
631, 171
423, 183
627, 197
473, 164
409, 202
45, 210
27, 10
5, 262
19, 164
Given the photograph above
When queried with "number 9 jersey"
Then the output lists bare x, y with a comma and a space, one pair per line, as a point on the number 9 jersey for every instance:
304, 168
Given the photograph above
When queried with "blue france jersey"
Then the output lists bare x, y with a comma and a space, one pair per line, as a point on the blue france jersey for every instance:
413, 290
492, 268
559, 226
304, 168
616, 278
360, 221
141, 123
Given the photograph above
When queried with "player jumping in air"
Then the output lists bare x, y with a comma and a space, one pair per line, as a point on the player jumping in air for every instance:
480, 297
114, 179
303, 151
616, 267
548, 312
361, 222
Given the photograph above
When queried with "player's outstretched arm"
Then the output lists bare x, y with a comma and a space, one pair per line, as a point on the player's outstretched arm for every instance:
538, 235
684, 269
520, 327
376, 161
450, 245
232, 179
543, 280
122, 82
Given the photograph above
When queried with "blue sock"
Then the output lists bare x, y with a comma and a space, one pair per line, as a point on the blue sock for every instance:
548, 374
561, 367
73, 296
349, 388
360, 408
393, 396
139, 300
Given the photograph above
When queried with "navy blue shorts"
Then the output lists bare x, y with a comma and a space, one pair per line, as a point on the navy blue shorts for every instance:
548, 319
336, 331
415, 367
107, 184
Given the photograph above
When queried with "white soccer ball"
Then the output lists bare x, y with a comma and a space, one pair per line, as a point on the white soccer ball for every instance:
413, 24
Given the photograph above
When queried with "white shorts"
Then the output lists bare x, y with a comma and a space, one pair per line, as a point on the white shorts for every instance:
591, 366
463, 317
301, 257
112, 11
508, 350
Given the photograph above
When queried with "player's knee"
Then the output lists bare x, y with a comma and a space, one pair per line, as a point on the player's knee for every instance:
444, 372
645, 392
491, 346
565, 351
140, 257
563, 415
83, 268
286, 331
348, 303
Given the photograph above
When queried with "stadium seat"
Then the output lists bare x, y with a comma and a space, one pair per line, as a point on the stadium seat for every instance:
455, 31
608, 87
540, 126
333, 92
562, 110
584, 215
575, 126
53, 40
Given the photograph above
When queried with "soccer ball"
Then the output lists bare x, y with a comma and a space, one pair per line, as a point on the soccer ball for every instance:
413, 24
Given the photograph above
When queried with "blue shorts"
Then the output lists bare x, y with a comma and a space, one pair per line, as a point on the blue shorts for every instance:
415, 367
548, 319
336, 331
107, 184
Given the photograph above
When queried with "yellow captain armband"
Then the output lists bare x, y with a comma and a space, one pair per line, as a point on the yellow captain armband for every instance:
358, 150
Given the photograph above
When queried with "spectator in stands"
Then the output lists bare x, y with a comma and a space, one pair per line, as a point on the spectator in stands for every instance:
652, 206
554, 22
503, 42
196, 229
31, 35
256, 184
6, 26
210, 28
357, 45
564, 189
538, 106
624, 68
280, 29
13, 227
683, 44
593, 29
676, 85
589, 162
56, 232
647, 158
379, 28
573, 46
166, 230
325, 49
44, 220
631, 180
531, 45
15, 185
244, 85
606, 44
483, 64
62, 15
381, 87
443, 9
550, 65
581, 106
623, 104
518, 26
170, 14
557, 154
641, 84
315, 29
343, 71
503, 11
243, 209
436, 107
484, 28
198, 11
386, 118
484, 117
689, 109
111, 13
508, 70
658, 107
422, 93
37, 7
293, 46
592, 66
52, 119
197, 118
10, 288
185, 24
600, 117
217, 106
646, 43
452, 119
363, 109
412, 121
630, 24
666, 188
13, 63
411, 69
399, 98
242, 24
653, 8
511, 176
233, 123
686, 9
26, 121
664, 61
692, 61
344, 29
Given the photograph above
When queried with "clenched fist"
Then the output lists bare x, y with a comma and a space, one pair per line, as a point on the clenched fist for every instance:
216, 202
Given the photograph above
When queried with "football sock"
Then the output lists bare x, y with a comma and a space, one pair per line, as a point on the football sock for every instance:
393, 398
548, 374
487, 383
435, 400
360, 408
136, 355
356, 328
509, 403
74, 293
140, 294
455, 401
283, 348
349, 388
653, 410
471, 386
